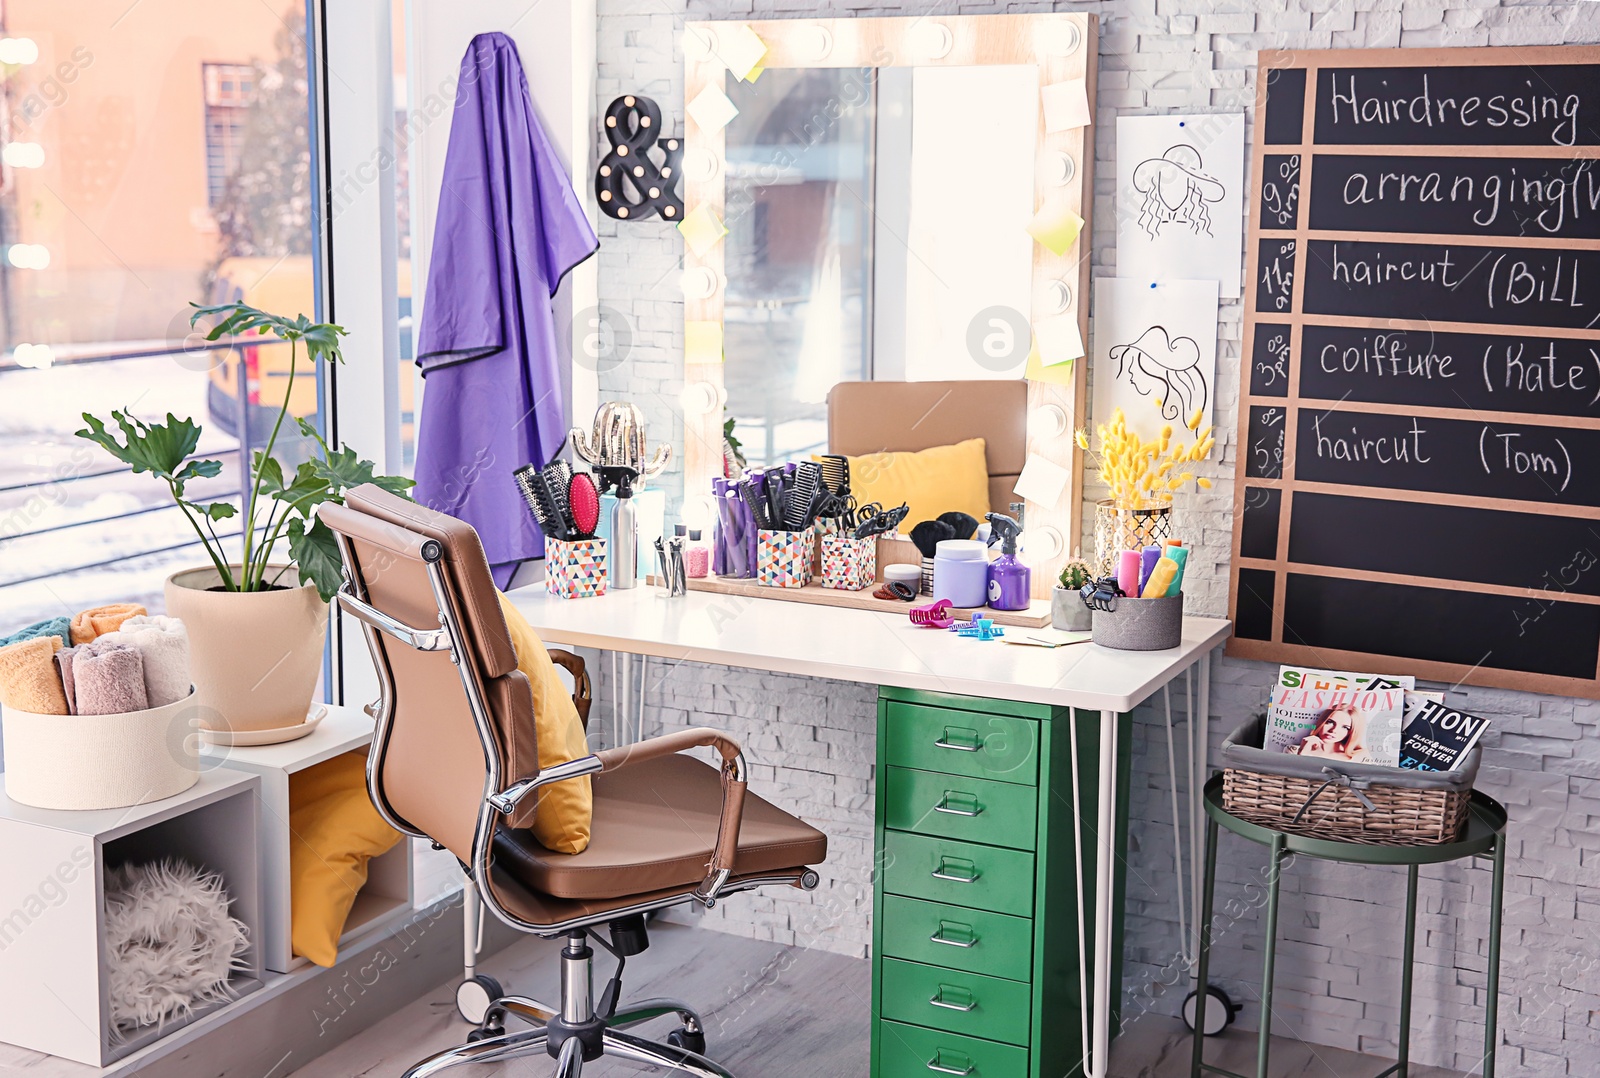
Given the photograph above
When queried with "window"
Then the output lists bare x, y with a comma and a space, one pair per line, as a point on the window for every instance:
229, 90
141, 173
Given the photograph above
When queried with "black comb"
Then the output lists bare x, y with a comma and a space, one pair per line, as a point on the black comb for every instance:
800, 497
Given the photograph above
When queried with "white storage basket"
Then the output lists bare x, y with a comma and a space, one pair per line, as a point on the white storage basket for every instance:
101, 761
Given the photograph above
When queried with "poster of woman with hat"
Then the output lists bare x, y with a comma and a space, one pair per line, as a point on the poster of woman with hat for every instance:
1155, 353
1180, 198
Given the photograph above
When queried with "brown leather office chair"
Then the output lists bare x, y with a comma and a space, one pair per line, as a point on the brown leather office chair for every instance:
453, 760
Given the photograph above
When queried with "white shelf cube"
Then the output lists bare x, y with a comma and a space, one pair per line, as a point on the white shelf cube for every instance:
53, 973
387, 895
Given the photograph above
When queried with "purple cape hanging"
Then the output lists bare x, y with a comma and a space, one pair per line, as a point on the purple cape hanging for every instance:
509, 228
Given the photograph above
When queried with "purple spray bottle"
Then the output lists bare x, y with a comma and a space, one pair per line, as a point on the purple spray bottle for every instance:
1010, 581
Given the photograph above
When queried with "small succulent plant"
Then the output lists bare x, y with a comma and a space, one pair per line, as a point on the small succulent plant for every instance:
1075, 574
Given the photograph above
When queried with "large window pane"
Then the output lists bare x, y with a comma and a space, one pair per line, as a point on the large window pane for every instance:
153, 154
799, 253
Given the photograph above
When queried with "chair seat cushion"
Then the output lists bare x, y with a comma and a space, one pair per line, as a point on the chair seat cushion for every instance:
655, 823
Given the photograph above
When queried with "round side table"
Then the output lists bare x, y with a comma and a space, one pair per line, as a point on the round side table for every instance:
1483, 836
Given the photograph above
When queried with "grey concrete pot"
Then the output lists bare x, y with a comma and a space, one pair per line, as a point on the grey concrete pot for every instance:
1067, 610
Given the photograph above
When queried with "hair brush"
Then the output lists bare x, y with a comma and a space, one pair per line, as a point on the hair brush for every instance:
552, 519
583, 502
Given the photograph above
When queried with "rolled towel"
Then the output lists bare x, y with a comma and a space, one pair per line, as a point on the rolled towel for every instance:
108, 680
99, 620
163, 644
64, 659
57, 627
28, 679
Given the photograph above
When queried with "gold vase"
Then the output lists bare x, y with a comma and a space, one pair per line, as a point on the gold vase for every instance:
1119, 528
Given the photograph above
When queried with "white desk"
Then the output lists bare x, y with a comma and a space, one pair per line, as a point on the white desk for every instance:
886, 649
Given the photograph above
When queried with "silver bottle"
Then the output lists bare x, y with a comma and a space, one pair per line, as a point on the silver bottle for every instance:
622, 559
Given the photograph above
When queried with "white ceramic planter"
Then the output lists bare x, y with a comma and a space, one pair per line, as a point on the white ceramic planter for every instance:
101, 761
255, 656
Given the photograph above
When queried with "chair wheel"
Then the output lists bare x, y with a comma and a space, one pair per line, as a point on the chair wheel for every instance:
484, 1034
474, 996
689, 1042
1220, 1010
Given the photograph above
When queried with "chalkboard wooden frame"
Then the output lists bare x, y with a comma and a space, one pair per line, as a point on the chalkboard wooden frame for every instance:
1359, 614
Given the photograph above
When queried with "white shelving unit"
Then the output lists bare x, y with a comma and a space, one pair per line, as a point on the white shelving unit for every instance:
387, 895
53, 973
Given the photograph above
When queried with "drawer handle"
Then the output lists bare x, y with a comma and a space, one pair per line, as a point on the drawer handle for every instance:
945, 742
940, 937
938, 1000
944, 871
937, 1064
945, 806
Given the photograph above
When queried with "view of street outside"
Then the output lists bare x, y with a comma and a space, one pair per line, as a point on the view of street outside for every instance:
142, 170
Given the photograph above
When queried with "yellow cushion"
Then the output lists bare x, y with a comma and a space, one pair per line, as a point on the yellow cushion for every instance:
565, 809
944, 479
333, 832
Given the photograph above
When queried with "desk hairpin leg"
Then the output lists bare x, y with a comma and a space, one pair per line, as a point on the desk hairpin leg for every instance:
1177, 826
1096, 1028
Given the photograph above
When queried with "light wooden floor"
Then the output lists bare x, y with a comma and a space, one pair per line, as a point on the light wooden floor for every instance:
770, 1011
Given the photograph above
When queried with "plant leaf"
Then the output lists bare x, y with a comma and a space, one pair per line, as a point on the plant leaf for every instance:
219, 510
394, 484
271, 473
158, 448
316, 553
321, 339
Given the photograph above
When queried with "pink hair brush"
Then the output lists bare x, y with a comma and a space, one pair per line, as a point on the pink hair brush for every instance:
583, 500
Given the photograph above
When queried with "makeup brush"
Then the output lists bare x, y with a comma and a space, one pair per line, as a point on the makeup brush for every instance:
927, 536
962, 524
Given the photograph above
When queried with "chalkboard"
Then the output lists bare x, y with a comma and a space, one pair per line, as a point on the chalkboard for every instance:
1418, 470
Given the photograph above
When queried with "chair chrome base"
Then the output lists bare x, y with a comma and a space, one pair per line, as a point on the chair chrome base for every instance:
580, 1033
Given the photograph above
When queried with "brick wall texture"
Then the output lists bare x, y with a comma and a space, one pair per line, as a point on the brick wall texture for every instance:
811, 741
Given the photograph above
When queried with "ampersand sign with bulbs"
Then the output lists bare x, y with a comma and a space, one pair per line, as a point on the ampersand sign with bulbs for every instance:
629, 184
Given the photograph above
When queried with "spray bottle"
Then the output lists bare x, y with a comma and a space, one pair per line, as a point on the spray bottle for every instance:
622, 560
1010, 581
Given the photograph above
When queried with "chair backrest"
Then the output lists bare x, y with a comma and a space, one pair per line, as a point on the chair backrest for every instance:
448, 731
880, 417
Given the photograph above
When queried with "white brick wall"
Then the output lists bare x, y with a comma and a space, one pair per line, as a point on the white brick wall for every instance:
811, 741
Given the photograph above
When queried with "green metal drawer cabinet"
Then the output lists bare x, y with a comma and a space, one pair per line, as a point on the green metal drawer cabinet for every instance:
975, 921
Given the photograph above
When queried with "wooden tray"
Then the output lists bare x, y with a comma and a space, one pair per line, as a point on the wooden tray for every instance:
1036, 616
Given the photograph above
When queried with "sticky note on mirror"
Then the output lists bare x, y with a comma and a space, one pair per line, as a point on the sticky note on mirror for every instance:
1059, 374
1058, 340
1066, 105
1042, 482
702, 230
702, 342
712, 110
1056, 226
743, 52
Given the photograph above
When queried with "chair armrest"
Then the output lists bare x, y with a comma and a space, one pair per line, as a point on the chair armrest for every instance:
734, 785
506, 800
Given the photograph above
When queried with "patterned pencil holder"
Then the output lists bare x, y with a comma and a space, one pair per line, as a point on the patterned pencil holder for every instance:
848, 563
783, 558
575, 570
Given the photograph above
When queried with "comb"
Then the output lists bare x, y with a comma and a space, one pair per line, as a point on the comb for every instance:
799, 498
583, 500
836, 473
537, 494
755, 502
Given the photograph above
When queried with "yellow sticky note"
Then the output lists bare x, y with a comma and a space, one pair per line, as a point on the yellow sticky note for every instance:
1058, 340
1057, 373
702, 230
712, 110
743, 52
1066, 105
1056, 227
755, 73
702, 342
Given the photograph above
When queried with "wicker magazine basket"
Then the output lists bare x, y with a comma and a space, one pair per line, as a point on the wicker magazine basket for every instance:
1366, 803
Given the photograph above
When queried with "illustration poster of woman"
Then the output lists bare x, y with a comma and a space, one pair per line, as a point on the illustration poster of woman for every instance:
1155, 353
1180, 198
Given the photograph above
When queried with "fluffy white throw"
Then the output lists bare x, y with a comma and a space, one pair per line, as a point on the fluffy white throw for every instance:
164, 644
170, 945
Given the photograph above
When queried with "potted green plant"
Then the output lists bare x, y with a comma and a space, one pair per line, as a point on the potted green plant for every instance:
1066, 605
257, 622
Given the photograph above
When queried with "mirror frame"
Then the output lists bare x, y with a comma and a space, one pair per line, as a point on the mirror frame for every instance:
1062, 46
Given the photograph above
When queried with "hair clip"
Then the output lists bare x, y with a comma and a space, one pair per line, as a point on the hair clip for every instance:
933, 615
1101, 594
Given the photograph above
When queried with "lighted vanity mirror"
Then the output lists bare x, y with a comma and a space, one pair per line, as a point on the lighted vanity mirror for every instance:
876, 229
857, 198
